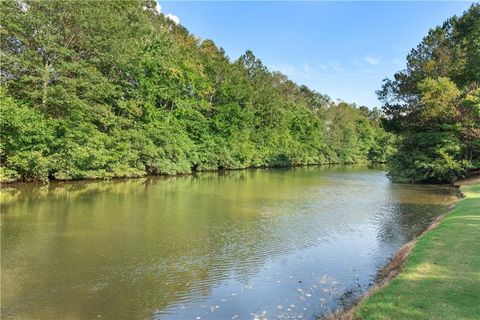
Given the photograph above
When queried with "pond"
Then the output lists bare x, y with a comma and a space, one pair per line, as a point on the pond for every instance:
253, 244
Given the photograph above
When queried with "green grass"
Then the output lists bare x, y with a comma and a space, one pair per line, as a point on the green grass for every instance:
441, 278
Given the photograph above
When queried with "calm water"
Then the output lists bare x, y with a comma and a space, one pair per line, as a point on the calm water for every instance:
265, 244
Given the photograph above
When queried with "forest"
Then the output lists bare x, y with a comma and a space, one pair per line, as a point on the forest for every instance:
116, 89
434, 104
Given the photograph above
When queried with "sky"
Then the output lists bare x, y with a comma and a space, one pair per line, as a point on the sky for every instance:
343, 49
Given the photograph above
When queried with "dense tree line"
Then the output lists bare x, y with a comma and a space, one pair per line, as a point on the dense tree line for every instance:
434, 104
97, 89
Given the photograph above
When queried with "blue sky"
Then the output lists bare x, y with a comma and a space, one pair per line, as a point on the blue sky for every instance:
343, 49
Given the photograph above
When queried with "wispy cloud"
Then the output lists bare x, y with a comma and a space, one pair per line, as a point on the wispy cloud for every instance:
331, 67
323, 67
335, 66
372, 60
308, 70
285, 68
307, 67
173, 18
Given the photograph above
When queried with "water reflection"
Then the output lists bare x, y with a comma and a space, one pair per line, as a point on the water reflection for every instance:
245, 244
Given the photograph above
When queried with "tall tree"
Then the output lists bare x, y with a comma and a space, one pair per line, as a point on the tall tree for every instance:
434, 104
99, 89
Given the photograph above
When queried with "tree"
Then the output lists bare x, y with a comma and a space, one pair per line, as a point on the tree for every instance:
433, 104
102, 89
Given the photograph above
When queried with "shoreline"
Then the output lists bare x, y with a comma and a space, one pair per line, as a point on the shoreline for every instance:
397, 262
192, 173
384, 275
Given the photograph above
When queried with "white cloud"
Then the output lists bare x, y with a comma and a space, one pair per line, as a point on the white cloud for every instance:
173, 18
287, 69
372, 60
307, 68
170, 16
335, 66
309, 71
323, 67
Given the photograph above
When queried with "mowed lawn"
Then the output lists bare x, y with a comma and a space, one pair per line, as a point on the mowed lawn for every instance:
441, 278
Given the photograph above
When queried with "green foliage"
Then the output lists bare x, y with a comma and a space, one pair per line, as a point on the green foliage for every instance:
25, 139
439, 98
435, 104
431, 156
103, 89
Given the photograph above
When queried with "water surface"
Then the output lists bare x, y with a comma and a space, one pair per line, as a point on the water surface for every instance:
265, 244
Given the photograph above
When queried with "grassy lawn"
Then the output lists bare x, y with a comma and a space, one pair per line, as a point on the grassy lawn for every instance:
441, 278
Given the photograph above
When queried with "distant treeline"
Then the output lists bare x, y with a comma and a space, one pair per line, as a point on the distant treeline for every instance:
98, 89
434, 104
